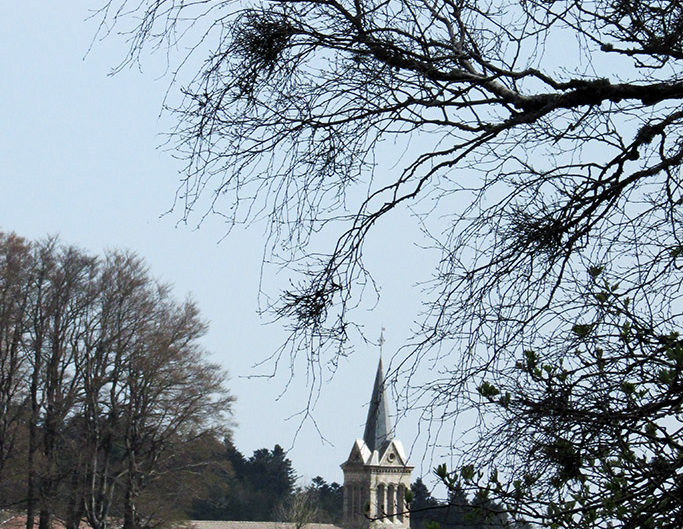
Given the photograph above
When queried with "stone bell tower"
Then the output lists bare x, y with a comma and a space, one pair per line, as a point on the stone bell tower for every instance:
376, 474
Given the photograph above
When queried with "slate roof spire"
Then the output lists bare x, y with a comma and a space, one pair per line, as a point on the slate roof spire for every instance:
377, 426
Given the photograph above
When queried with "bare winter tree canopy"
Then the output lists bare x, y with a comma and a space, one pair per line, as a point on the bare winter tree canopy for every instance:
103, 383
542, 156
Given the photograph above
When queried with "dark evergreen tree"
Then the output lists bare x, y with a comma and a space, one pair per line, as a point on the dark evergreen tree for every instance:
248, 489
272, 480
329, 497
423, 507
458, 512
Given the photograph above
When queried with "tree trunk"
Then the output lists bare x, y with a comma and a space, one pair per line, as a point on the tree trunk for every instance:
45, 521
48, 482
32, 448
76, 508
129, 515
31, 492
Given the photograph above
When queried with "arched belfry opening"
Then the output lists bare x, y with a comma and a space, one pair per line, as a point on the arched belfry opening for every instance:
376, 474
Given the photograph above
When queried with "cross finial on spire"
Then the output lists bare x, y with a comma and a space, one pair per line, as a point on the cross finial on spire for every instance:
381, 340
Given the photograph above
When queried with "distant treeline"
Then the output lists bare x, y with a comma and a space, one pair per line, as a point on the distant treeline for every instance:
261, 487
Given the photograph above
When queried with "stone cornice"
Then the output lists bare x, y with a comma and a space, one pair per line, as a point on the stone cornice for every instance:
377, 468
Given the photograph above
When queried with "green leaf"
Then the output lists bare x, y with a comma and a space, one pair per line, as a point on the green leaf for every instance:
602, 297
628, 387
595, 271
666, 376
582, 329
467, 472
675, 353
488, 390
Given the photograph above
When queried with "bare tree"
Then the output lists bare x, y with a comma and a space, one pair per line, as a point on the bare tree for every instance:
148, 391
103, 371
62, 298
299, 509
124, 304
543, 151
14, 297
172, 395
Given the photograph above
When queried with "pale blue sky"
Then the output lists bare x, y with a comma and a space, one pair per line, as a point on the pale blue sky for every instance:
80, 159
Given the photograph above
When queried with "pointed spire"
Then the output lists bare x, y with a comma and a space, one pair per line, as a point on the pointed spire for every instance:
377, 427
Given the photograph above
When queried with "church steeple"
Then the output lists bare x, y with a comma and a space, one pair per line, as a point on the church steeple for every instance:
377, 426
377, 473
